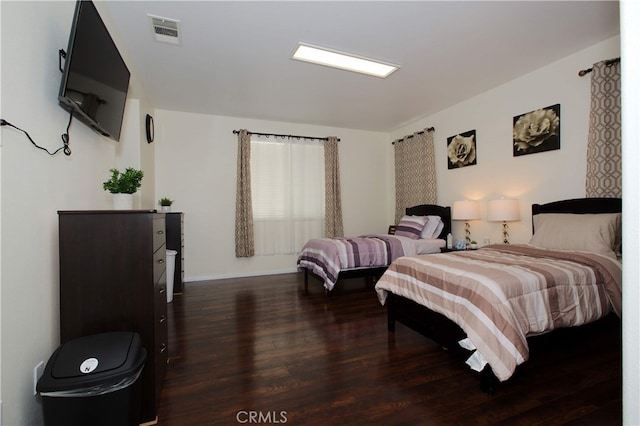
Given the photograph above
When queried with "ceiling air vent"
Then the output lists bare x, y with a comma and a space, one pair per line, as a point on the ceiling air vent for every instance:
165, 30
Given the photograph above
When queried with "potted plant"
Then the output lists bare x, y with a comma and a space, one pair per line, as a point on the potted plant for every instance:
474, 244
123, 185
165, 204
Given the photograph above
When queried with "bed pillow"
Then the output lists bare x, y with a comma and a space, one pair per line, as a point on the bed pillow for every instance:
411, 226
439, 229
433, 227
598, 233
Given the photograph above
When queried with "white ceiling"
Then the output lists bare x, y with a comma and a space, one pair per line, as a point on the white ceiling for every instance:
234, 57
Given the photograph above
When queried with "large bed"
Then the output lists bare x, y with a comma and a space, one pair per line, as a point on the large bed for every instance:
491, 300
422, 230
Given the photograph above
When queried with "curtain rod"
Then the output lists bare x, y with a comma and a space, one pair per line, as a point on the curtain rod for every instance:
608, 63
235, 132
428, 129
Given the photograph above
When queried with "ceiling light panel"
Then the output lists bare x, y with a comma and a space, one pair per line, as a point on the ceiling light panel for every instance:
341, 60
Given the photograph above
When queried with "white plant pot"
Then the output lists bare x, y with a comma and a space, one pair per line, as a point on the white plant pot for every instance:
122, 201
165, 209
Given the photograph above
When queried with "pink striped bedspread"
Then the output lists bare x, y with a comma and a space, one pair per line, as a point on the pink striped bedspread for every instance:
501, 294
326, 257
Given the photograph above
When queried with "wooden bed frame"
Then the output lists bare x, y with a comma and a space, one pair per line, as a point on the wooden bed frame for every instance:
371, 275
445, 332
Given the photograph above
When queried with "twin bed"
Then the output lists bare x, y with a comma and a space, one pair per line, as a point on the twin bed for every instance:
491, 300
333, 259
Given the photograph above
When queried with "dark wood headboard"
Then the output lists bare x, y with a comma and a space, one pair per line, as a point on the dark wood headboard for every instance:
578, 205
433, 209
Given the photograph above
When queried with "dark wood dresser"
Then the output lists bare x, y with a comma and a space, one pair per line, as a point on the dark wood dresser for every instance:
112, 278
175, 241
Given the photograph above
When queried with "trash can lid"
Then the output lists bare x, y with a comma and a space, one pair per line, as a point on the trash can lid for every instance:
93, 360
92, 354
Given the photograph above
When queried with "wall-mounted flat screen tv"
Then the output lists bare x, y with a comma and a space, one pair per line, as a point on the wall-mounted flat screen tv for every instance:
95, 79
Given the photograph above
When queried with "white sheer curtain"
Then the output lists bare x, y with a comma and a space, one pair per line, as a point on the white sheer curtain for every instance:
288, 194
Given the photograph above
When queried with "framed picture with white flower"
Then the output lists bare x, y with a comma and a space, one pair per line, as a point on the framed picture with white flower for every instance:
461, 150
537, 131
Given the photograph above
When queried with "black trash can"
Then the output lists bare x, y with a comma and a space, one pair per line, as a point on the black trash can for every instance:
93, 380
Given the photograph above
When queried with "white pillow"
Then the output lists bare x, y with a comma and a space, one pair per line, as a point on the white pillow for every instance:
431, 227
597, 233
438, 230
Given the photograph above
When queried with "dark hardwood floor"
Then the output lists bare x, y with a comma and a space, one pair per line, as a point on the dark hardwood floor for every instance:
264, 350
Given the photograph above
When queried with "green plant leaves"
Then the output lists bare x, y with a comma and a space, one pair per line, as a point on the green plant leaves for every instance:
127, 182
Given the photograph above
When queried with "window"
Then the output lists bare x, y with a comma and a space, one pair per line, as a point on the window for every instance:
288, 193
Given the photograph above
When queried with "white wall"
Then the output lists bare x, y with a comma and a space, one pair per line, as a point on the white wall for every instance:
132, 153
147, 159
196, 166
35, 186
133, 150
533, 178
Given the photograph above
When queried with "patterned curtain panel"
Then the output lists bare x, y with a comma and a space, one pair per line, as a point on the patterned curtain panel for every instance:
244, 211
333, 198
604, 156
415, 171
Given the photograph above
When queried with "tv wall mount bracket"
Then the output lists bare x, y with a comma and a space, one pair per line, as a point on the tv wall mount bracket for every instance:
61, 54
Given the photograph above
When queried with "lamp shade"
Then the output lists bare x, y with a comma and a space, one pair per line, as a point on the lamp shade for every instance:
465, 210
503, 210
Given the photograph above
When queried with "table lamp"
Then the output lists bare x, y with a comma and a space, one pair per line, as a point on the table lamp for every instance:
504, 211
466, 210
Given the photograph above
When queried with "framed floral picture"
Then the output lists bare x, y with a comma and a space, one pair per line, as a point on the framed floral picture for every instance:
537, 131
461, 150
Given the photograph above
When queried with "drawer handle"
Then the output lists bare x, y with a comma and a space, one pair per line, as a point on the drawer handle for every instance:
160, 232
161, 261
162, 290
163, 348
162, 319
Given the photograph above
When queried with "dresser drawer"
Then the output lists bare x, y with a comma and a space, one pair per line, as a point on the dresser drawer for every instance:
159, 233
162, 346
160, 312
159, 265
161, 319
161, 337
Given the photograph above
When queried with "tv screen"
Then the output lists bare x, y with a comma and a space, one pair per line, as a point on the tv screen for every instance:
96, 79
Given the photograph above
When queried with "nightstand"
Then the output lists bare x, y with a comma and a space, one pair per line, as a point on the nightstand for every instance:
448, 250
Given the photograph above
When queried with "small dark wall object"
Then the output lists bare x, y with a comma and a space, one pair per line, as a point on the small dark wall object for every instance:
149, 127
536, 131
461, 150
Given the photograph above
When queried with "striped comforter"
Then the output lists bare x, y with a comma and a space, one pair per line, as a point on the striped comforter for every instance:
326, 257
501, 294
